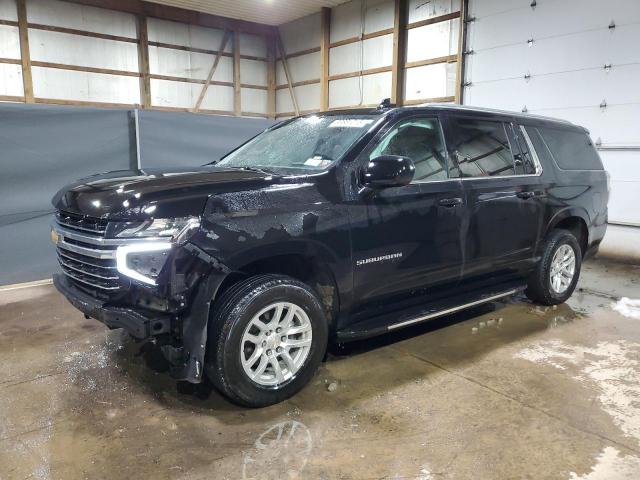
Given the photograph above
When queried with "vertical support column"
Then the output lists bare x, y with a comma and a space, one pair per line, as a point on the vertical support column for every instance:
25, 56
271, 76
143, 62
462, 32
325, 41
285, 66
399, 52
237, 86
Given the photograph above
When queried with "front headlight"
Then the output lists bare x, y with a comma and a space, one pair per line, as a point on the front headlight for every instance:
175, 228
143, 260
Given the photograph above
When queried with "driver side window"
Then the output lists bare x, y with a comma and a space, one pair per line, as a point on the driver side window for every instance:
419, 139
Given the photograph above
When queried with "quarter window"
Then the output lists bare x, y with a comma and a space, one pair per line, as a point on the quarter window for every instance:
481, 148
419, 139
572, 150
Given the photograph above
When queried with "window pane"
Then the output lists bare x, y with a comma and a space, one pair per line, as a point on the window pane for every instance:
482, 148
419, 139
571, 150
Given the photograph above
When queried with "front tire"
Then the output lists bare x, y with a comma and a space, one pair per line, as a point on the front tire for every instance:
267, 337
556, 275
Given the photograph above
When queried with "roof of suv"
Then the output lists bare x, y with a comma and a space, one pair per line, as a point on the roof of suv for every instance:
457, 108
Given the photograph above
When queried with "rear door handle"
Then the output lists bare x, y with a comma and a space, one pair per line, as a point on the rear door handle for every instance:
450, 202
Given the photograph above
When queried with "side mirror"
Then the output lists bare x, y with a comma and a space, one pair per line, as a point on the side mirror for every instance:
389, 171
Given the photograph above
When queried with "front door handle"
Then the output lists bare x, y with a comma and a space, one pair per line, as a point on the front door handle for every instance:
526, 195
450, 202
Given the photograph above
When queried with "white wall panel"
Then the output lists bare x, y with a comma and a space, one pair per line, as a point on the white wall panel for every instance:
9, 42
431, 41
377, 52
308, 97
70, 49
283, 101
345, 58
370, 89
253, 72
304, 67
165, 31
253, 100
217, 98
11, 80
378, 15
301, 34
430, 81
180, 63
166, 93
561, 90
252, 45
81, 17
346, 21
558, 54
423, 10
513, 20
83, 86
8, 10
372, 53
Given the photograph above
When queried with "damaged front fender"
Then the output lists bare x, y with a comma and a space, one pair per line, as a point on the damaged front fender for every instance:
187, 360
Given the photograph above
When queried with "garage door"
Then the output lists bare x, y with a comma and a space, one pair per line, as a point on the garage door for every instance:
572, 59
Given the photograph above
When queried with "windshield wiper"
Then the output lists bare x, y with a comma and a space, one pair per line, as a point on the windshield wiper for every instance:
256, 169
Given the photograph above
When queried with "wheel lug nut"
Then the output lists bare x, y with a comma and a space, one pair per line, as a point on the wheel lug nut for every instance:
279, 350
278, 330
284, 339
269, 352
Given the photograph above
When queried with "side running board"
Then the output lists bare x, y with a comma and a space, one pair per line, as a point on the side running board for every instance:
442, 313
396, 320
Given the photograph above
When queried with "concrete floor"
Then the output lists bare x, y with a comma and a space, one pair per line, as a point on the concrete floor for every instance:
510, 390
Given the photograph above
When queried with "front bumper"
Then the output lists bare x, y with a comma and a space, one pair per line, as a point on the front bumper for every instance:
140, 325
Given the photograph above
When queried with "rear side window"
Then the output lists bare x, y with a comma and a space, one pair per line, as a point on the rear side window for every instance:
481, 148
570, 149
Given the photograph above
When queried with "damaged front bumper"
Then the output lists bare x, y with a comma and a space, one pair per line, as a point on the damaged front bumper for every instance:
180, 326
137, 324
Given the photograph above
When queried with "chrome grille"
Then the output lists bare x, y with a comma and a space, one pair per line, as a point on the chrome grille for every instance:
85, 255
82, 223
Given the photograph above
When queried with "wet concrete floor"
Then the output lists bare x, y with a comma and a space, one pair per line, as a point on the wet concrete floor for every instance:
509, 390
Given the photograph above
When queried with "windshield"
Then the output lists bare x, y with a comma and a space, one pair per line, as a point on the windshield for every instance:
307, 143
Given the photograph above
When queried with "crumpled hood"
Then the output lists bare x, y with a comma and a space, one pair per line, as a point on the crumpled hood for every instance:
141, 194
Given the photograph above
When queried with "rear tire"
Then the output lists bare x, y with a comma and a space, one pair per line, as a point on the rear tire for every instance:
556, 275
267, 336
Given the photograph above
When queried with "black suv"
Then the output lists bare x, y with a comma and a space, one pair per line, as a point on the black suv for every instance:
331, 227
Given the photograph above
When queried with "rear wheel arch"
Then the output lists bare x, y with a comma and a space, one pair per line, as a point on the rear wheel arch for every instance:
574, 221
